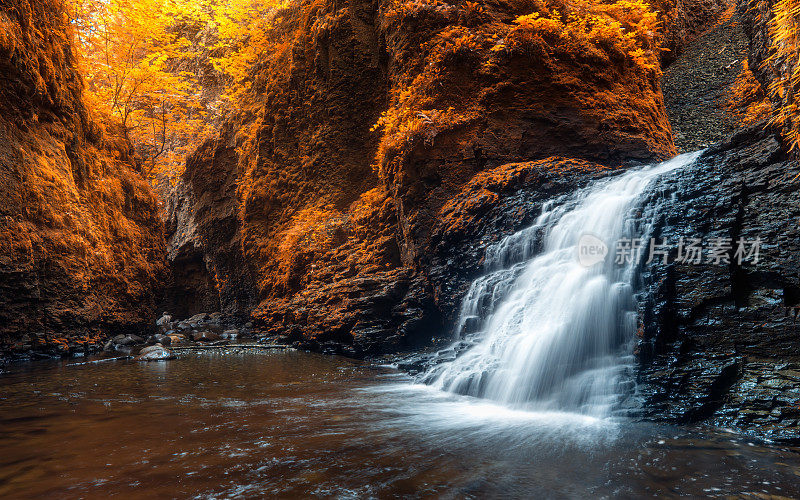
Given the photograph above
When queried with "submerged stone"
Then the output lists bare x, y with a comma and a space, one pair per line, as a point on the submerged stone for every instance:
155, 353
206, 336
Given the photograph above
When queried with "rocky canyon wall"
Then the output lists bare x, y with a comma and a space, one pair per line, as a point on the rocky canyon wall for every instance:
81, 245
773, 29
720, 342
319, 207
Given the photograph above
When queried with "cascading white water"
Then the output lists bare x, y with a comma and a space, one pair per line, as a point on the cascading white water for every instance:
553, 334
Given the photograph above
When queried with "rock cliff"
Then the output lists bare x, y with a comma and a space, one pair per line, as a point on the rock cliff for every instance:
683, 21
81, 245
335, 222
720, 340
772, 27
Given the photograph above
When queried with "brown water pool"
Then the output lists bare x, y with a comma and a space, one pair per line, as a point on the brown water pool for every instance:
244, 423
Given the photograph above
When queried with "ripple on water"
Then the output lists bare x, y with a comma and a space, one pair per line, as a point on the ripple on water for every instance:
299, 424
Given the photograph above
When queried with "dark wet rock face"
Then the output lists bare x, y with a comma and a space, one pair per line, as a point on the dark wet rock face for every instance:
207, 269
764, 400
493, 205
372, 313
190, 287
720, 340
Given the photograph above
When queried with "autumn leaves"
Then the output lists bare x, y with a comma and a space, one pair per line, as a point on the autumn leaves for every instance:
165, 68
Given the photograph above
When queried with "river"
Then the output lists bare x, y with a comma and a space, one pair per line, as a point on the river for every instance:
242, 423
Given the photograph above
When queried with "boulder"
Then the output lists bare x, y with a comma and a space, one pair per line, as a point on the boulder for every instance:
205, 336
164, 320
155, 353
159, 339
198, 318
230, 334
127, 340
177, 339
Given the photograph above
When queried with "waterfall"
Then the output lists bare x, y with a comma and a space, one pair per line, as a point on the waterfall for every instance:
544, 329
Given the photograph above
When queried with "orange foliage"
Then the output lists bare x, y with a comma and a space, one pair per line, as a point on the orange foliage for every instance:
134, 56
316, 234
628, 27
784, 28
243, 31
142, 60
781, 67
746, 102
310, 228
139, 58
619, 34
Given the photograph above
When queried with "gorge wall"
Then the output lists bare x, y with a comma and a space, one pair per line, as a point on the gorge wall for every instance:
720, 342
81, 245
346, 238
348, 201
329, 230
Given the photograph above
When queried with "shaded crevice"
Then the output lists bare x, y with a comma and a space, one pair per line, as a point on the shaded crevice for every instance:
191, 289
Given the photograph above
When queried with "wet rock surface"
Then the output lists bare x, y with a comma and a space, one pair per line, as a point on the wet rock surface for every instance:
155, 353
765, 401
304, 215
495, 204
720, 341
201, 327
159, 338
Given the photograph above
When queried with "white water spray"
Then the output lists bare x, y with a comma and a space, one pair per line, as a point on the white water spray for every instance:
553, 334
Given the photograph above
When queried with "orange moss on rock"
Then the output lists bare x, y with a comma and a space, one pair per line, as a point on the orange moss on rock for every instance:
528, 68
315, 95
773, 27
485, 189
80, 238
746, 101
362, 120
784, 29
522, 81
